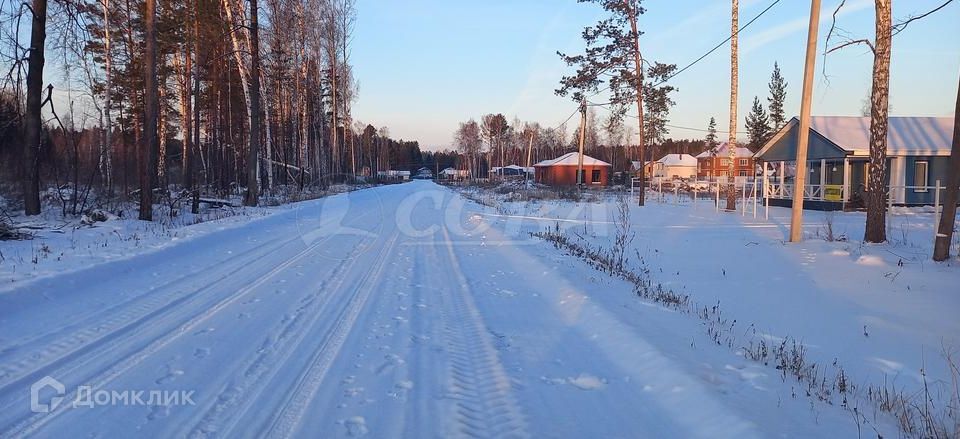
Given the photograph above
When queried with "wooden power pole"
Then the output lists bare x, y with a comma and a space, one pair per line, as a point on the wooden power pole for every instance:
583, 130
796, 215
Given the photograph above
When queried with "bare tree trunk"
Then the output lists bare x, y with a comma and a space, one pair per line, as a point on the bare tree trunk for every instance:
188, 173
32, 122
253, 158
148, 151
638, 71
185, 65
875, 230
268, 154
107, 153
941, 248
732, 137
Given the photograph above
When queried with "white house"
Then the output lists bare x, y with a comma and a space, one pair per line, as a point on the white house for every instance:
454, 174
675, 167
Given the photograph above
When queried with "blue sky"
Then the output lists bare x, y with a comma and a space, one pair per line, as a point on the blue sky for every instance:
423, 66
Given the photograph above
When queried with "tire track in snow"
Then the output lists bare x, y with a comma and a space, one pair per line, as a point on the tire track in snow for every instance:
280, 344
35, 421
294, 408
110, 324
485, 404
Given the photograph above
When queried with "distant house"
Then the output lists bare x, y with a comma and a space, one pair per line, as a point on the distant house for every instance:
393, 175
562, 171
637, 165
424, 173
511, 171
675, 166
454, 174
714, 163
838, 153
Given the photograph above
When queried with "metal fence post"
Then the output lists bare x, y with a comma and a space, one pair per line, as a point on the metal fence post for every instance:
718, 196
743, 196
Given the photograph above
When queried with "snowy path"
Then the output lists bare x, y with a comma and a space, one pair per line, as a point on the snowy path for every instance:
376, 313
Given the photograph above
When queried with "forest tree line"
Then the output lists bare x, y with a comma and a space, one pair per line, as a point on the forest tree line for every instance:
181, 94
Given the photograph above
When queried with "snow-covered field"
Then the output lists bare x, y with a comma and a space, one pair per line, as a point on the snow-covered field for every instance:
408, 311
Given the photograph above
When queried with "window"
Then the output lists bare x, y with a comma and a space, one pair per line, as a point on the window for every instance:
724, 162
920, 177
595, 176
582, 177
744, 173
743, 162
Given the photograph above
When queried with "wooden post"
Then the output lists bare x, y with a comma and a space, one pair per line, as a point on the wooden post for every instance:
529, 155
743, 207
766, 194
846, 182
823, 178
796, 215
936, 210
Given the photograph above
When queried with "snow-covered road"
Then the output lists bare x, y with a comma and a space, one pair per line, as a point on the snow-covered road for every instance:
388, 312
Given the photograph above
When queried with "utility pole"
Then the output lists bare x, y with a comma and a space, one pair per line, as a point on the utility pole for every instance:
796, 215
583, 130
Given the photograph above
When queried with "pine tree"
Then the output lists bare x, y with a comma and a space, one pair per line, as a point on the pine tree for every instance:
712, 134
758, 125
778, 95
612, 54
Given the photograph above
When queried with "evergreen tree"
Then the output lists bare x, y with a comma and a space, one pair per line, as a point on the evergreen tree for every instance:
712, 134
778, 94
758, 125
657, 102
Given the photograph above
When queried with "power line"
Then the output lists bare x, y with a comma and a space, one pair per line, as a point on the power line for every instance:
679, 127
567, 119
725, 41
718, 45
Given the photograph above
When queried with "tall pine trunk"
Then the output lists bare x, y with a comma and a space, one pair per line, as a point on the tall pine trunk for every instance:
253, 158
638, 72
941, 249
148, 151
32, 123
875, 230
732, 137
187, 112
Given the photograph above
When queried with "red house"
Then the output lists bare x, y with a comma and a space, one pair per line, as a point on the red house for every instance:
562, 171
715, 163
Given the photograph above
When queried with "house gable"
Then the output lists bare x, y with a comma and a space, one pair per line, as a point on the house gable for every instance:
783, 146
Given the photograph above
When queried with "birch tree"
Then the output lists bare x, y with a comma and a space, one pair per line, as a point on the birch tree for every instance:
941, 248
876, 192
732, 135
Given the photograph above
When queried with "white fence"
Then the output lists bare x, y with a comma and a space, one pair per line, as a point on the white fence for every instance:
679, 192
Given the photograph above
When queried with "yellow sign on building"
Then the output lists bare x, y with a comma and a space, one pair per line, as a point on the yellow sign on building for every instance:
833, 192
